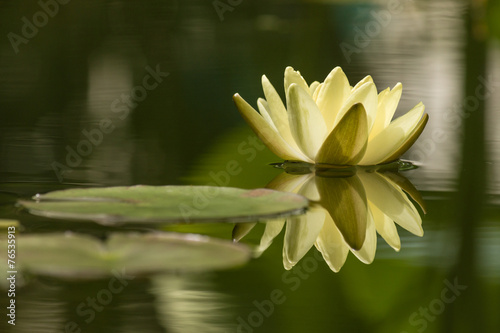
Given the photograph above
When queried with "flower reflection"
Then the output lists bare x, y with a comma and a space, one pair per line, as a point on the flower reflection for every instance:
345, 214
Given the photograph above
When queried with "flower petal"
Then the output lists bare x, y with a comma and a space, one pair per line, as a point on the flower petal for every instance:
366, 79
366, 94
273, 228
346, 144
306, 122
367, 253
392, 201
287, 182
404, 184
385, 227
410, 140
345, 201
331, 244
391, 102
313, 87
316, 92
264, 112
277, 112
292, 76
266, 133
300, 235
387, 104
396, 136
310, 190
240, 230
332, 95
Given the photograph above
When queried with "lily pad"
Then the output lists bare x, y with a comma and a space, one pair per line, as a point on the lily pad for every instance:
166, 204
80, 256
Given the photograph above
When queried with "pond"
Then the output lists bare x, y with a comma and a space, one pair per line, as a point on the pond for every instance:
223, 235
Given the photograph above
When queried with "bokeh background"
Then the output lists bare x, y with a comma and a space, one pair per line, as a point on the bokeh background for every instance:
82, 63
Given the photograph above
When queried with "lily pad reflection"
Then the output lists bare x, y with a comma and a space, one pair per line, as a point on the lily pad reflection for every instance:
166, 204
345, 215
80, 256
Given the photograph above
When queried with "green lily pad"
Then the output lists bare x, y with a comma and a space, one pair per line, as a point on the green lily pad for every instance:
77, 256
166, 204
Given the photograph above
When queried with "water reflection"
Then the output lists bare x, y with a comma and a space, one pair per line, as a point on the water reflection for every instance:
346, 213
187, 304
164, 303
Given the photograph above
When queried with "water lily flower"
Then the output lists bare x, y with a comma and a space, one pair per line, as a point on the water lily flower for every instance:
332, 122
345, 215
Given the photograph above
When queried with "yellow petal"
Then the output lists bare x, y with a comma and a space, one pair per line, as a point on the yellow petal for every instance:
345, 201
392, 201
410, 140
287, 182
333, 94
382, 94
367, 253
292, 76
273, 228
390, 141
366, 79
331, 244
264, 112
387, 104
391, 102
310, 190
316, 92
240, 230
404, 184
346, 144
385, 227
306, 122
277, 112
266, 133
300, 235
313, 87
366, 94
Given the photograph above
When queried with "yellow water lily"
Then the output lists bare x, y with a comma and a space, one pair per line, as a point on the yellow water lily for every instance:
332, 122
345, 215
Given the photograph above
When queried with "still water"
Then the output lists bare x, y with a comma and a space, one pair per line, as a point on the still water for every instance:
121, 93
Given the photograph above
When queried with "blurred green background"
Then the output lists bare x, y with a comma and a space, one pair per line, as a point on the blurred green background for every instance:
71, 69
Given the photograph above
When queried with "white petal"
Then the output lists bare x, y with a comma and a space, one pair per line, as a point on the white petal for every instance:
387, 103
292, 76
333, 94
390, 139
365, 94
306, 122
266, 133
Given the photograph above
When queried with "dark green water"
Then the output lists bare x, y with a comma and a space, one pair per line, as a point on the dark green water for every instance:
155, 79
